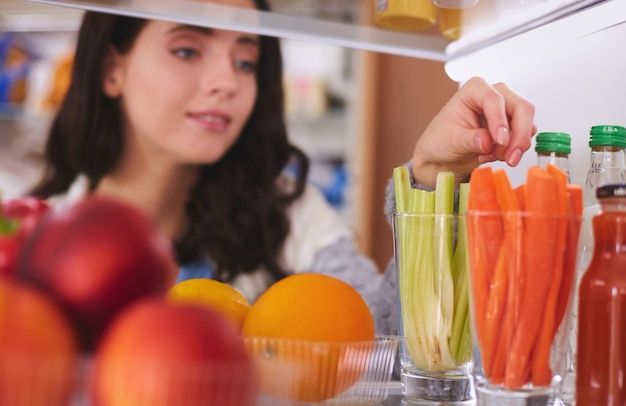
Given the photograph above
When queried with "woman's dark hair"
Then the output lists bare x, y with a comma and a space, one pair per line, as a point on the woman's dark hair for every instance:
236, 212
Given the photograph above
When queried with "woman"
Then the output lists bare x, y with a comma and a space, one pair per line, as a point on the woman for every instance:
187, 124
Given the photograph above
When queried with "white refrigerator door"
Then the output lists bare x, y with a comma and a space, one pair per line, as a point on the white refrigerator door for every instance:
575, 81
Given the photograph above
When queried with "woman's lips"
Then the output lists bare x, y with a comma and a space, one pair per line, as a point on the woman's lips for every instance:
211, 120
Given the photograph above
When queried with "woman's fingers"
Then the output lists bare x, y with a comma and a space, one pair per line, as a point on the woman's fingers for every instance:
480, 123
521, 122
507, 116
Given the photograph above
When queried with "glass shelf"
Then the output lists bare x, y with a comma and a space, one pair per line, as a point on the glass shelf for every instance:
489, 22
20, 16
272, 24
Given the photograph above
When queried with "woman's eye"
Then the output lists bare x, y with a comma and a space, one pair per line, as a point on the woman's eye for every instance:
246, 66
185, 53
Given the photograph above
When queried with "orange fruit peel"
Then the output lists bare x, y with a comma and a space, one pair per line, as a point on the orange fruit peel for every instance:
212, 293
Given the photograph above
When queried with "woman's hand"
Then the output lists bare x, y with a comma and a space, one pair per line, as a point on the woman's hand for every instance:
480, 123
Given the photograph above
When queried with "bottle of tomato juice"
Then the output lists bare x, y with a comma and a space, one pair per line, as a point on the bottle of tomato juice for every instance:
601, 356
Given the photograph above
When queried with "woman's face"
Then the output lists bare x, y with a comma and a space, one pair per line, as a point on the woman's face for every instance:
186, 92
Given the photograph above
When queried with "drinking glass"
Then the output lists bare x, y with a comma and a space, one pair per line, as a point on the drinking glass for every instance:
523, 268
433, 289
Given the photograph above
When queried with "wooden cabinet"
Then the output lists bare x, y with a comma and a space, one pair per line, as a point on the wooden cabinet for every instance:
405, 95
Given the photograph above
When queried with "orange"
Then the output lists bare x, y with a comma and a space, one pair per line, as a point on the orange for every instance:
214, 294
313, 334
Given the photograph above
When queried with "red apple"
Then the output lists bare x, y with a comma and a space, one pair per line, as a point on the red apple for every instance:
28, 210
95, 258
38, 349
159, 353
18, 217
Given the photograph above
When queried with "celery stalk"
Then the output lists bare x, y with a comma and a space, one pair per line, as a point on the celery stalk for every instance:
402, 186
460, 342
444, 240
419, 295
420, 201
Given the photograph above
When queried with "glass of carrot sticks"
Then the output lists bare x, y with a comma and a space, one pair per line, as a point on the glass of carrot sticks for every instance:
522, 245
432, 267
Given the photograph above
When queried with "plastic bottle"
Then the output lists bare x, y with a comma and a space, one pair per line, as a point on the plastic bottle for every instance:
554, 148
601, 357
607, 165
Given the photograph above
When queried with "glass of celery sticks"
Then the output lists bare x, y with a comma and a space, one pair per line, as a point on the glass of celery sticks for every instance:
432, 266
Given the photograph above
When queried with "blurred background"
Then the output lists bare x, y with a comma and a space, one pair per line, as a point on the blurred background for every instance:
356, 113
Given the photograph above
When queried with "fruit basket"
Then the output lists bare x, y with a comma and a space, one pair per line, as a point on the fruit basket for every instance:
299, 372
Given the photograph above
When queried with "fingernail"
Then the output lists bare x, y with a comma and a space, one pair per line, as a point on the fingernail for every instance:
486, 158
479, 145
503, 136
514, 157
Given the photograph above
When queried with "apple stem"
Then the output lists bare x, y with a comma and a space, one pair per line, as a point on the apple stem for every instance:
8, 226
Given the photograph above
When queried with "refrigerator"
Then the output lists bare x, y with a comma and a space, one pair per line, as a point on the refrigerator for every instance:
562, 55
565, 56
572, 69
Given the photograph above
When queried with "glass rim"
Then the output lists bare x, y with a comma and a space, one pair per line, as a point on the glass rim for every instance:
409, 214
523, 214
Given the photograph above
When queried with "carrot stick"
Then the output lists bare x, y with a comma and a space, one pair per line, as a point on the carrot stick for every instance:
539, 246
574, 214
517, 281
541, 373
520, 194
484, 238
496, 304
493, 314
498, 369
484, 199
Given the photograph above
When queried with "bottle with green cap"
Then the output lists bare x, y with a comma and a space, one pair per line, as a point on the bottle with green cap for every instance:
608, 160
554, 148
607, 165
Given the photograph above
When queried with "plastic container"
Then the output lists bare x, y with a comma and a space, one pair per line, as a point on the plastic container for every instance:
285, 373
455, 3
299, 372
405, 15
450, 23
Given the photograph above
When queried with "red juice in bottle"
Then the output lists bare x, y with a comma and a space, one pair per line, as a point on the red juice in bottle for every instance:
601, 357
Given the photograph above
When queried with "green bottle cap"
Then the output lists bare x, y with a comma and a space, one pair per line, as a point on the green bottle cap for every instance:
610, 135
553, 142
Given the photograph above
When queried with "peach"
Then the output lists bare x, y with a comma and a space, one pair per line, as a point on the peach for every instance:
38, 349
162, 353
